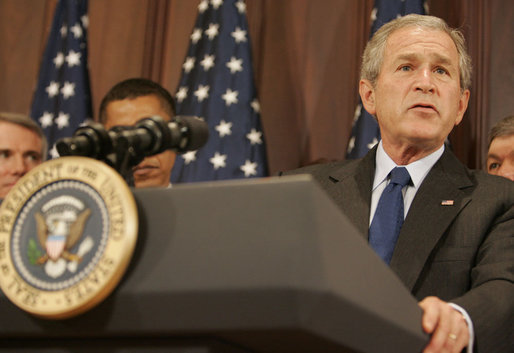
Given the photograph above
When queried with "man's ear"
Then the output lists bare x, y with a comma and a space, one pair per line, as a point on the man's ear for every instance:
367, 93
463, 105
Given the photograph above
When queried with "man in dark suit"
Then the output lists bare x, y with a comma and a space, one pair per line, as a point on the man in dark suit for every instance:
454, 245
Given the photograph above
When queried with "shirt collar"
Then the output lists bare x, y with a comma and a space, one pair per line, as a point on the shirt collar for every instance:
418, 170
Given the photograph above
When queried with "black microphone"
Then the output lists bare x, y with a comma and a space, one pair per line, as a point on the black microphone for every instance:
149, 136
90, 140
154, 135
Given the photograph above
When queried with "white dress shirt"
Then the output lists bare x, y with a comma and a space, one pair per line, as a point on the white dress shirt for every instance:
418, 170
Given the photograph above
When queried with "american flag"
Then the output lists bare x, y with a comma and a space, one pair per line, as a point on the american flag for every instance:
365, 131
217, 85
62, 100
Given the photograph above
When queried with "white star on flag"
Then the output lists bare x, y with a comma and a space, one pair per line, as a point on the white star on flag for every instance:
59, 59
249, 168
189, 157
53, 152
46, 119
239, 35
73, 58
202, 92
189, 64
85, 21
196, 35
204, 5
216, 3
52, 89
181, 94
207, 62
351, 144
256, 106
230, 97
373, 15
62, 98
212, 31
357, 113
86, 122
224, 128
62, 120
235, 65
241, 6
219, 86
219, 160
372, 143
76, 30
68, 90
255, 137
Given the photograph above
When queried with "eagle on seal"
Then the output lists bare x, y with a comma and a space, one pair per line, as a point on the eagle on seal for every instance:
58, 232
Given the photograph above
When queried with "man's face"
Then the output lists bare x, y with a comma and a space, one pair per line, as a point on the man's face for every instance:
154, 170
417, 98
500, 158
20, 151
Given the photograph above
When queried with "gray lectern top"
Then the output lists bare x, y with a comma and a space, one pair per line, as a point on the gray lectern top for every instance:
262, 265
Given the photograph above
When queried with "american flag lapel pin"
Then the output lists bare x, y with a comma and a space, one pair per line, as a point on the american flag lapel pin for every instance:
447, 203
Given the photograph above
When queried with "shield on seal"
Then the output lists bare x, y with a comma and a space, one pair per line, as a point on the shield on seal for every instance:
55, 245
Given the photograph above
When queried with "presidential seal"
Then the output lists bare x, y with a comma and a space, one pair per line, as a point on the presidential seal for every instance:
68, 229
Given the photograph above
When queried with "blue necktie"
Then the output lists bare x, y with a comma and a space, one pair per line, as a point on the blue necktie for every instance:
388, 218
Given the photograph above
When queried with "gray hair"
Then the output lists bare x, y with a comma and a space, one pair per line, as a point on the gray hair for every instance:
504, 127
28, 123
373, 56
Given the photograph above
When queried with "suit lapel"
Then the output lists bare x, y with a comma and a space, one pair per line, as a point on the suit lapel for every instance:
436, 204
352, 190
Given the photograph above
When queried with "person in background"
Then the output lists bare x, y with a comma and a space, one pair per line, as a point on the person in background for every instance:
500, 154
125, 104
452, 239
23, 146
